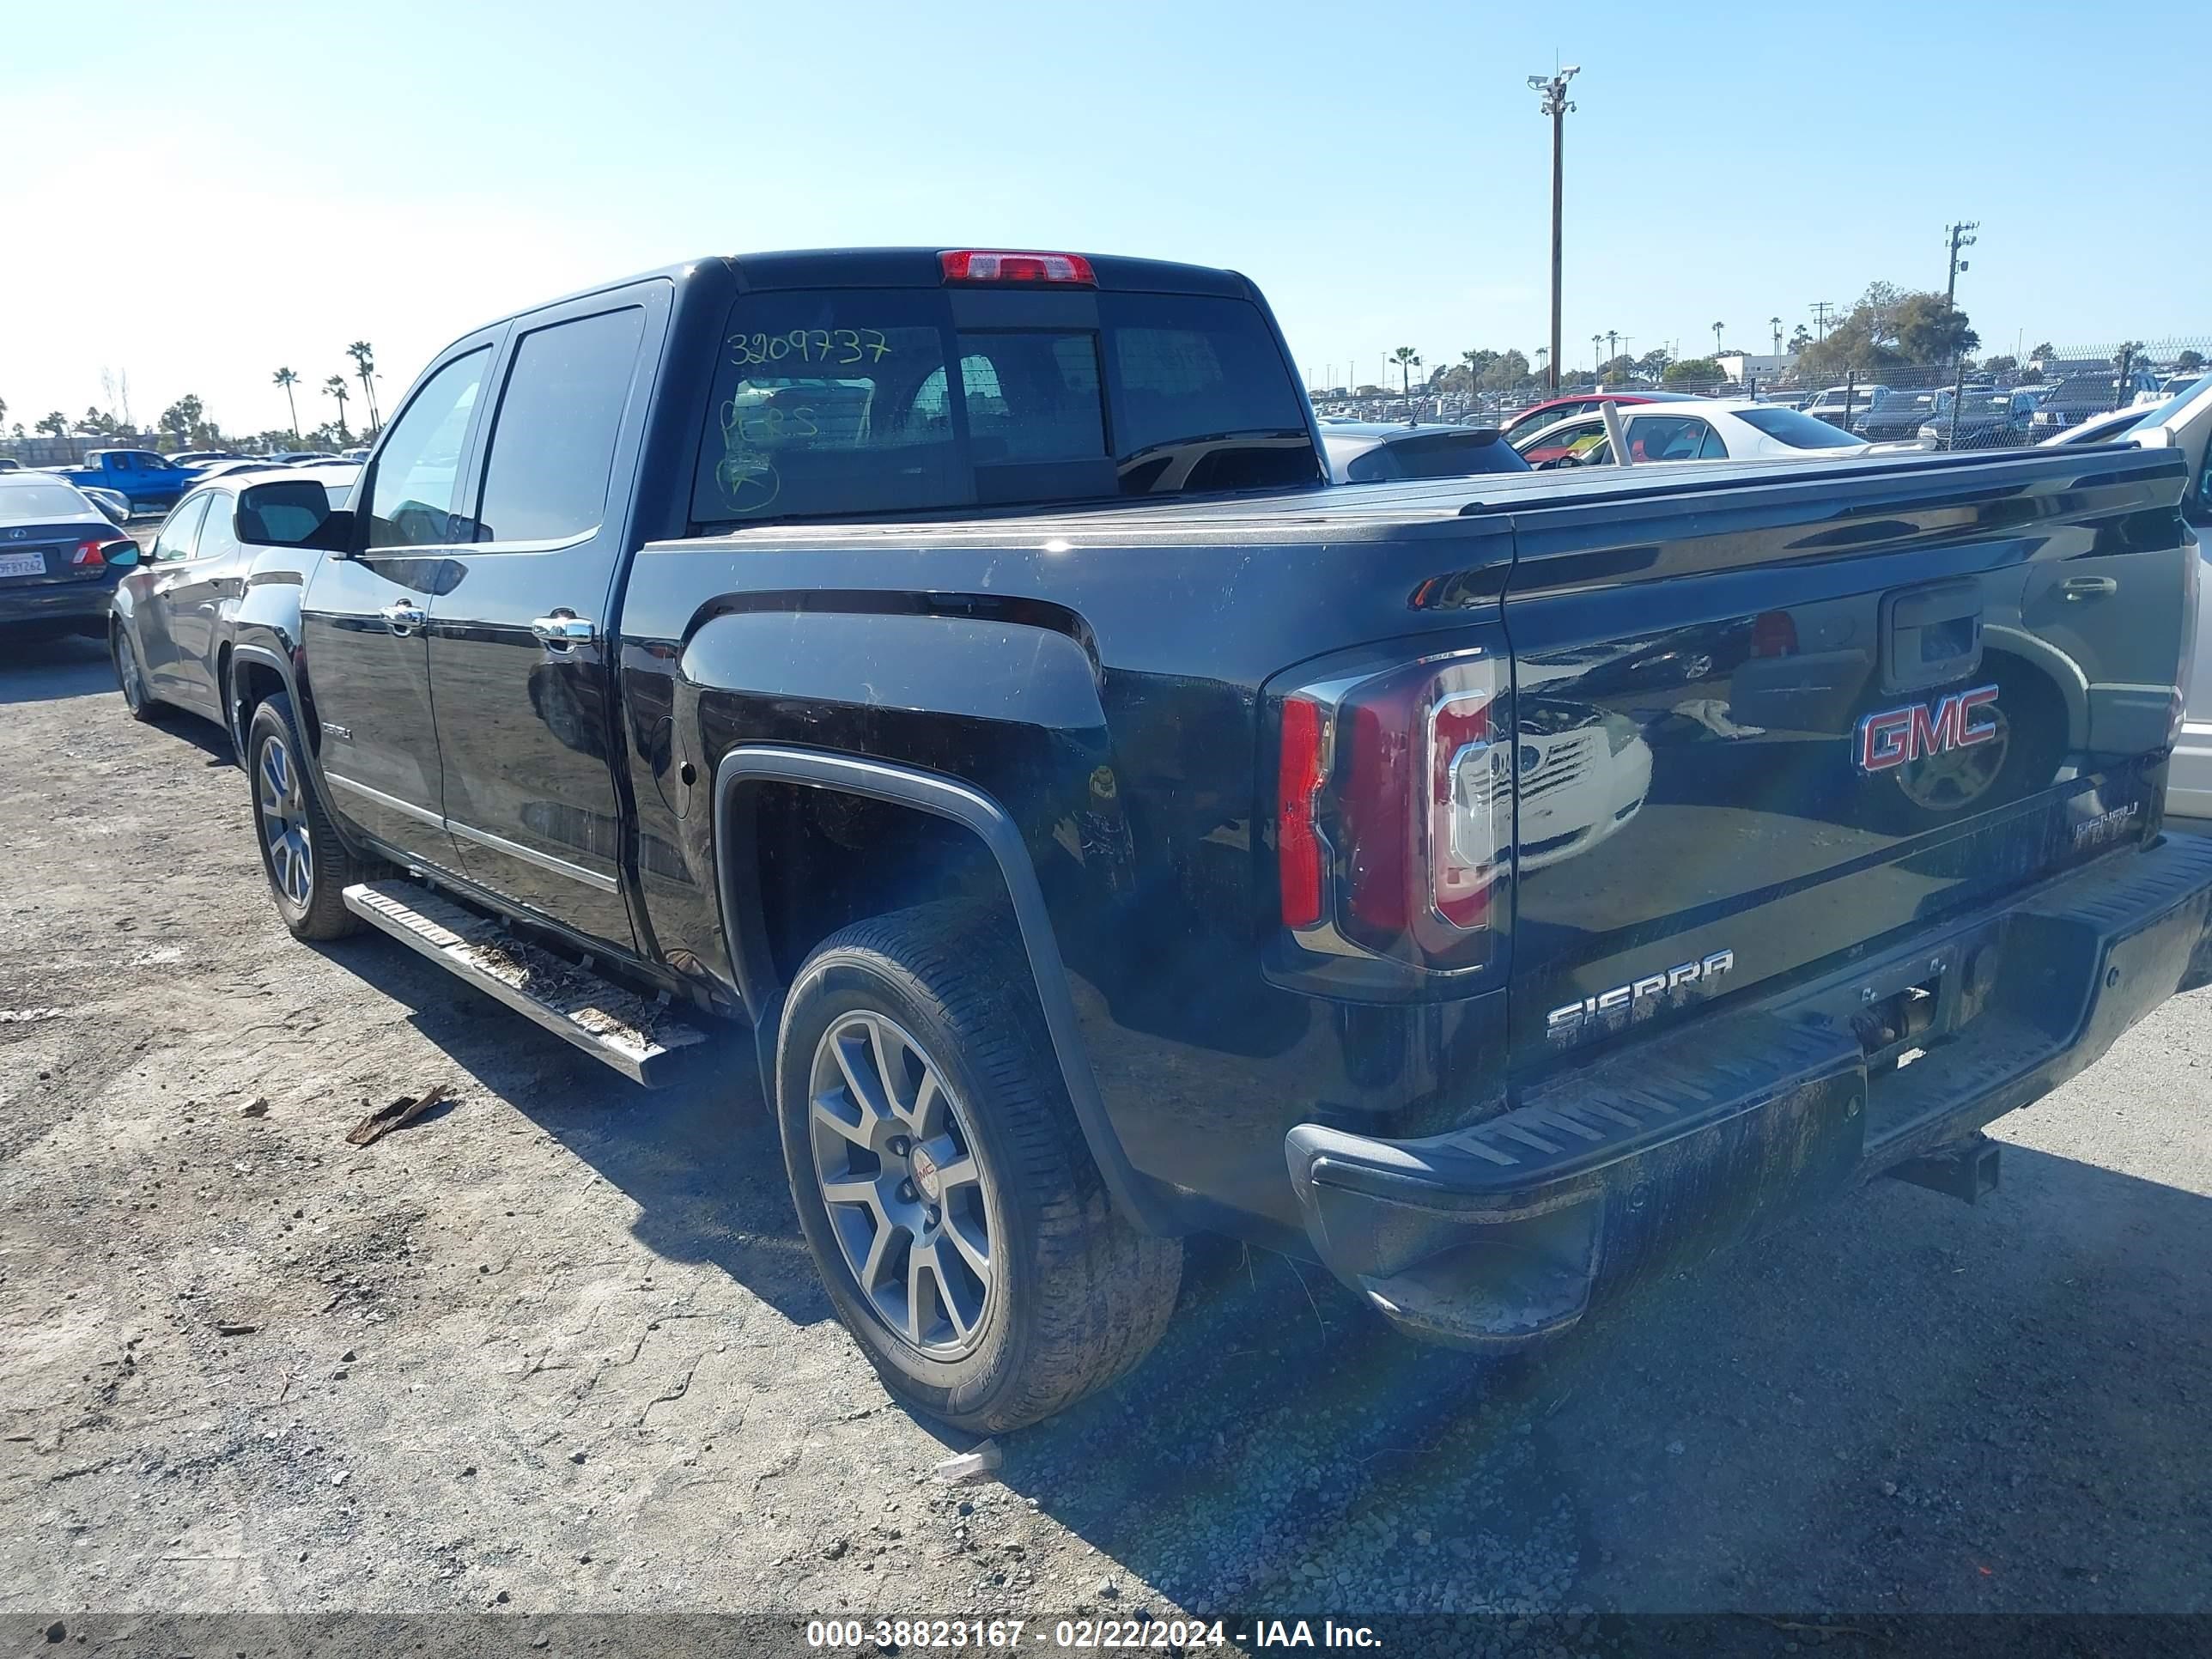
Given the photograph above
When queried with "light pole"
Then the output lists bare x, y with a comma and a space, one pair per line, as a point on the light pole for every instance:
1556, 105
1958, 235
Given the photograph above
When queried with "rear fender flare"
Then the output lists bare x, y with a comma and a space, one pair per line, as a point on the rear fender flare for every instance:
983, 817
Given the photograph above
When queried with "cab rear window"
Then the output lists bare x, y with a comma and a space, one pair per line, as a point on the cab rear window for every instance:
872, 401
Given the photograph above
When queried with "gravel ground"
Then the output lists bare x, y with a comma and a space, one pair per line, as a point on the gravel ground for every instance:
557, 1346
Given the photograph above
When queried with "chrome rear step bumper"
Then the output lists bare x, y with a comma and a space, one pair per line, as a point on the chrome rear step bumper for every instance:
635, 1035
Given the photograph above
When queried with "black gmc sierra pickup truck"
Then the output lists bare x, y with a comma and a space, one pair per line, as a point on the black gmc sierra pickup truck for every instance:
955, 669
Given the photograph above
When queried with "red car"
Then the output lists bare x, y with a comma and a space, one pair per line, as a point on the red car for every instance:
1560, 409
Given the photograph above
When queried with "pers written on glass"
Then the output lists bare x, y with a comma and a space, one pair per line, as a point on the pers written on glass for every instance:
811, 345
771, 425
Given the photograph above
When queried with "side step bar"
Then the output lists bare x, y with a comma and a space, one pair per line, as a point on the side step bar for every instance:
619, 1028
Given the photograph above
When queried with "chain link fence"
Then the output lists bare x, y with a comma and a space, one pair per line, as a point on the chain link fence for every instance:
1995, 401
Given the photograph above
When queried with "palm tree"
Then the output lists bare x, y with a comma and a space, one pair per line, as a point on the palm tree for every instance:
1717, 327
364, 364
1407, 362
1775, 322
336, 387
287, 379
1596, 341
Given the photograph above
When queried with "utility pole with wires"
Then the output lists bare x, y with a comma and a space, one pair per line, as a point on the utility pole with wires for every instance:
1555, 104
1820, 310
1959, 235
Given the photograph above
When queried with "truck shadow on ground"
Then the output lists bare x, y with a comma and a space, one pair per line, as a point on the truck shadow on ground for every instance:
1898, 1403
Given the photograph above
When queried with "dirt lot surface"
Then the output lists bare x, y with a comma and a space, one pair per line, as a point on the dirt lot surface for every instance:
557, 1347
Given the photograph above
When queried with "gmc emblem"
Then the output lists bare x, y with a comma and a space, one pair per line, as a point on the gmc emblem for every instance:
1898, 735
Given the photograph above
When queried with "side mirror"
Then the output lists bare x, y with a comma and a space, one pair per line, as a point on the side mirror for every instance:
292, 513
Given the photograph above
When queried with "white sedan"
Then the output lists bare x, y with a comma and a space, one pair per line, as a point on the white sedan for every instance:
1710, 429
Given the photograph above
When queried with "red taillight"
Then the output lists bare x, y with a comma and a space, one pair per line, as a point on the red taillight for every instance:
1773, 634
88, 556
972, 265
1416, 829
1297, 840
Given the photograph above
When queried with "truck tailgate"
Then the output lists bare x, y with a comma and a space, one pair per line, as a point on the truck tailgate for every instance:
1764, 725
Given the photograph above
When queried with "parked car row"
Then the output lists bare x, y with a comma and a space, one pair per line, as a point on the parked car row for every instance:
147, 480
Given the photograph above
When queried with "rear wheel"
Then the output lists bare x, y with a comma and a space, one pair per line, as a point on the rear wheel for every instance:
131, 676
308, 865
952, 1206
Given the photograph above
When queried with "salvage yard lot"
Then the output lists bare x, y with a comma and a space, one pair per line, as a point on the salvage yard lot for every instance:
557, 1346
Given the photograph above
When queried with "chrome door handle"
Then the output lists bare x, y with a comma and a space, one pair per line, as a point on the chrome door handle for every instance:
564, 628
2088, 588
404, 617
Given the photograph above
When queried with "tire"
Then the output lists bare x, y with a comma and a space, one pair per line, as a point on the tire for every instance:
1076, 1295
138, 699
308, 867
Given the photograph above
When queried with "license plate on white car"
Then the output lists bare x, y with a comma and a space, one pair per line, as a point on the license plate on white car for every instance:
22, 564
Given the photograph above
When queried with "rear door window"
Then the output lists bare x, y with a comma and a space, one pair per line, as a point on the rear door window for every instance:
218, 537
1671, 439
840, 404
553, 442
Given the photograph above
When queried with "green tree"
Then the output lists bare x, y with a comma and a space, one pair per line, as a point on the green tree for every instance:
1653, 363
2044, 353
287, 379
1617, 371
1509, 371
336, 387
1693, 372
1928, 329
1407, 360
364, 367
2184, 363
180, 417
1801, 339
2124, 358
2001, 365
96, 423
56, 425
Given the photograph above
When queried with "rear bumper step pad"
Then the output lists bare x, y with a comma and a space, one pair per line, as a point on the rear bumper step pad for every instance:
635, 1035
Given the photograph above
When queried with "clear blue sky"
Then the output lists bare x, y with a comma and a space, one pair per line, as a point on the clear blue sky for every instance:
278, 181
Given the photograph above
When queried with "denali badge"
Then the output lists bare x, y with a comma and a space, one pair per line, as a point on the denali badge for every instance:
1562, 1022
1898, 735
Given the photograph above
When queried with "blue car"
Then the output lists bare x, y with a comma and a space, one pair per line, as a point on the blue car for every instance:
60, 559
